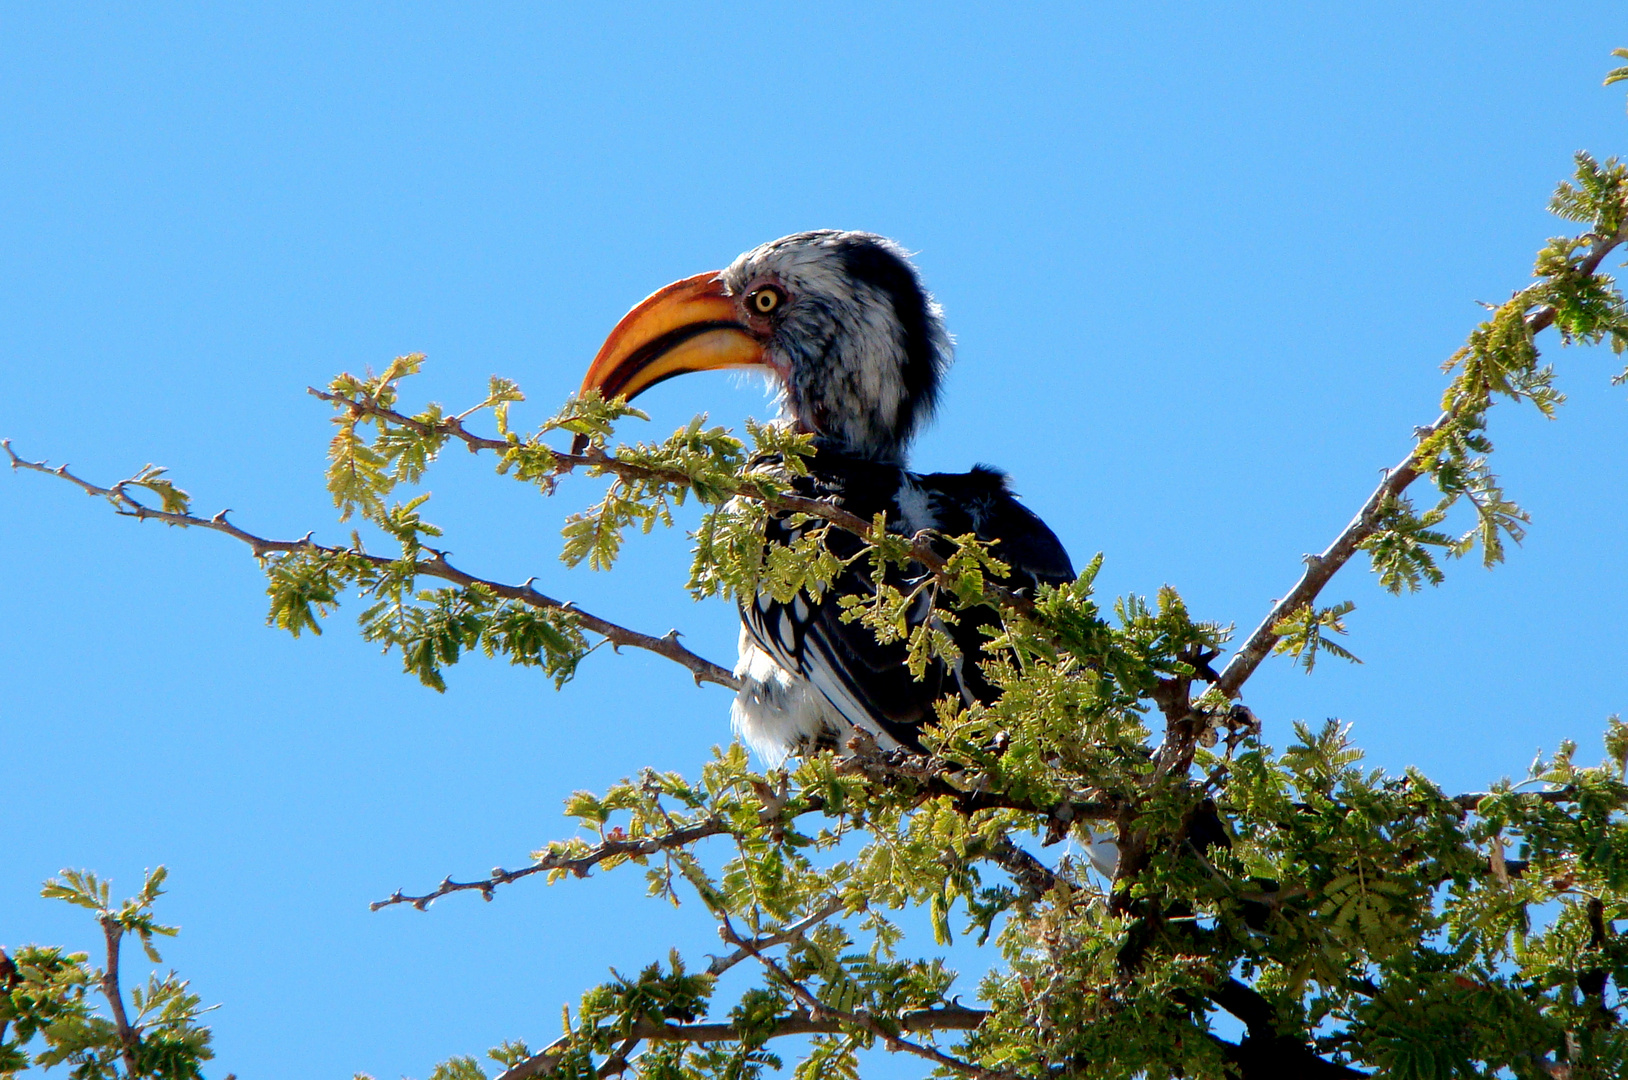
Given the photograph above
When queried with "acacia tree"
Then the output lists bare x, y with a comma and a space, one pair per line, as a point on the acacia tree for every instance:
1352, 922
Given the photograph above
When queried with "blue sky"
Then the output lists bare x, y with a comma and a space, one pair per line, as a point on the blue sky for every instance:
1202, 263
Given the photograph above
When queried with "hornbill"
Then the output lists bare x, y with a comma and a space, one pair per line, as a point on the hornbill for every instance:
856, 348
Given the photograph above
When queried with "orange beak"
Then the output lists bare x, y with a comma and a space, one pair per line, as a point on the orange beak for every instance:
690, 325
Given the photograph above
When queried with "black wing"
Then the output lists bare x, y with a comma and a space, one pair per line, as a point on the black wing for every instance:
866, 680
981, 502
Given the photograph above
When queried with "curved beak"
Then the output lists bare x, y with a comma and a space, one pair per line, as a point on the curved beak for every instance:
688, 326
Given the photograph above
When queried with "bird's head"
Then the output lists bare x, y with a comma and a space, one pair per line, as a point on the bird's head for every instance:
838, 320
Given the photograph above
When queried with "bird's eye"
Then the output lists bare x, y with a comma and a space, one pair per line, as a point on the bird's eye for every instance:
766, 300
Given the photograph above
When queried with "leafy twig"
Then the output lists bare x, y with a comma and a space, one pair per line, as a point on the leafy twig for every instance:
1368, 521
863, 1021
947, 1018
434, 565
721, 964
577, 865
593, 457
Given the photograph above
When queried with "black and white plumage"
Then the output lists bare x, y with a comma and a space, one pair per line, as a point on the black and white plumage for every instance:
857, 349
858, 344
812, 676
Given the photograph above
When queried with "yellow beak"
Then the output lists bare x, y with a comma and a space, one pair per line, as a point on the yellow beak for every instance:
690, 325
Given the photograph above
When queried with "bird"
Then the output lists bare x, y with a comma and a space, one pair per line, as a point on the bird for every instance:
856, 349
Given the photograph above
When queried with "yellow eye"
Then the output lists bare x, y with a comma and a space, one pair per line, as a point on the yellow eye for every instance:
765, 300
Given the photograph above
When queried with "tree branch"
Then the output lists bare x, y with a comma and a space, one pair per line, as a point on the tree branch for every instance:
577, 865
933, 776
617, 1063
1321, 568
1036, 877
1264, 1053
448, 425
925, 774
949, 1018
435, 566
922, 771
593, 457
1472, 801
721, 964
129, 1040
864, 1020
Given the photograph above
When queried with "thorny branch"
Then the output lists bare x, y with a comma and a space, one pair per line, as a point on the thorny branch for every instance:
925, 775
577, 865
1029, 871
928, 777
1321, 568
721, 964
449, 425
948, 1018
864, 1021
594, 457
435, 566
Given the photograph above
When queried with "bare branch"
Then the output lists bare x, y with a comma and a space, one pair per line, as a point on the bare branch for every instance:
1320, 568
434, 566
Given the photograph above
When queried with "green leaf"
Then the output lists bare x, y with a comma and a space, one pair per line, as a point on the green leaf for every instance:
1301, 633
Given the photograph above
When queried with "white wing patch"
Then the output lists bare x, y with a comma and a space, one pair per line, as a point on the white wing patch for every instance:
915, 508
780, 711
777, 712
